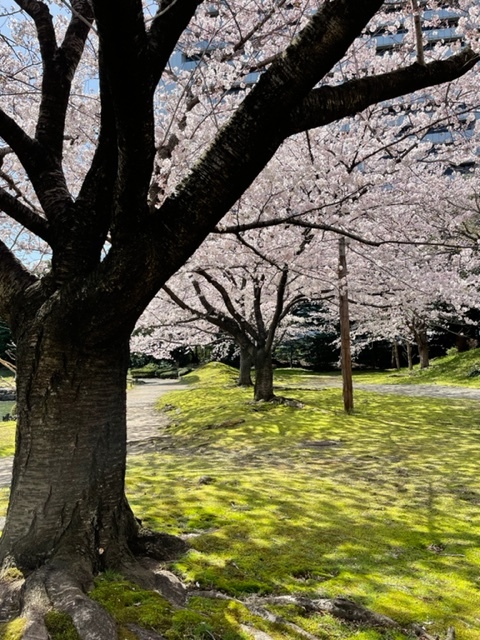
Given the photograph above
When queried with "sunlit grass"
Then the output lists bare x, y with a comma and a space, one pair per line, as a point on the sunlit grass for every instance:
7, 439
388, 514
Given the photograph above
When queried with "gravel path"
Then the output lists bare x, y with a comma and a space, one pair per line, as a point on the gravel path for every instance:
417, 390
423, 390
144, 422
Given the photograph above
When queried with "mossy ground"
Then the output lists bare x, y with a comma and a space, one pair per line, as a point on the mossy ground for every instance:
382, 506
389, 515
7, 439
12, 630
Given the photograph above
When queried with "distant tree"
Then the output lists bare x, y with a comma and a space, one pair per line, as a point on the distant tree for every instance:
245, 286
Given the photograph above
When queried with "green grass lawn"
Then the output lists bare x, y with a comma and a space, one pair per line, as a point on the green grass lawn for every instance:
388, 516
382, 506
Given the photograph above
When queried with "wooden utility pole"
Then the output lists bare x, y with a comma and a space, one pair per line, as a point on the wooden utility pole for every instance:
417, 23
346, 357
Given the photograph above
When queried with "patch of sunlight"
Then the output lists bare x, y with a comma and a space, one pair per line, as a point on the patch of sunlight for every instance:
7, 438
12, 630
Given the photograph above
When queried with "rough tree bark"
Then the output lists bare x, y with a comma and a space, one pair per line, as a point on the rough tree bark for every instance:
68, 478
68, 516
263, 389
421, 338
409, 355
245, 368
396, 355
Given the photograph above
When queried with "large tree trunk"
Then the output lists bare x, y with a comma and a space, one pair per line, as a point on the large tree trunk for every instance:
263, 375
245, 371
67, 502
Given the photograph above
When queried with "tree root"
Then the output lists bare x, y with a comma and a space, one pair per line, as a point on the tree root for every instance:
53, 587
340, 608
49, 588
90, 620
149, 574
160, 546
10, 596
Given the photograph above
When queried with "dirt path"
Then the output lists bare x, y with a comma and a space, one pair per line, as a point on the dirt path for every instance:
144, 422
417, 390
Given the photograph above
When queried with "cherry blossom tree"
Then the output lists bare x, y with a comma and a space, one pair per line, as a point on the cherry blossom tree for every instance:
402, 293
247, 287
116, 164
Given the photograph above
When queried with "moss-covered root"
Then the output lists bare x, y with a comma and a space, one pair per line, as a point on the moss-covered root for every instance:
11, 584
48, 589
341, 608
31, 602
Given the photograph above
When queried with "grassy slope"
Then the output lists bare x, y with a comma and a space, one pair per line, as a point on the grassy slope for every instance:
449, 370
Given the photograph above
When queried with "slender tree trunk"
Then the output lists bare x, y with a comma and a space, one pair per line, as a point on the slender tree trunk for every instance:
67, 502
396, 355
245, 372
409, 356
422, 344
263, 375
345, 350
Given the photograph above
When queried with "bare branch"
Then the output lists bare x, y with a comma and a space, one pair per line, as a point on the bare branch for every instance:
169, 23
14, 280
253, 134
295, 221
24, 215
227, 301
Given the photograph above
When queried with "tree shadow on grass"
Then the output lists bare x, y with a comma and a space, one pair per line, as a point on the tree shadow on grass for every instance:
386, 518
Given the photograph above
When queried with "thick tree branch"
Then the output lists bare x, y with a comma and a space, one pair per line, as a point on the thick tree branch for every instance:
252, 136
327, 104
14, 280
214, 316
58, 71
171, 20
257, 309
40, 14
242, 147
59, 65
294, 220
24, 215
27, 149
227, 301
126, 60
236, 325
97, 192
